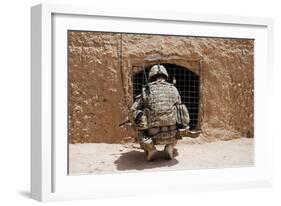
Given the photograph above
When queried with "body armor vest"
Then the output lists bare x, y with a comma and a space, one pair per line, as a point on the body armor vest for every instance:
160, 104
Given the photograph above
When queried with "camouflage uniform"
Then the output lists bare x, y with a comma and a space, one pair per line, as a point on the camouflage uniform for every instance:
154, 114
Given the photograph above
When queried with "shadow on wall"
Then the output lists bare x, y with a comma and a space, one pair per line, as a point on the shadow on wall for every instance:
136, 160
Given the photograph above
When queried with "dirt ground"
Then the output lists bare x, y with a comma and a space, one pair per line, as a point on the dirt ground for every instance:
99, 158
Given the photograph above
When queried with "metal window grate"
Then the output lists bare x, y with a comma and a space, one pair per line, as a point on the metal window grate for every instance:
187, 82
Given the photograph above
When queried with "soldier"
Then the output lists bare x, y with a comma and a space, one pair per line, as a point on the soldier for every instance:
157, 113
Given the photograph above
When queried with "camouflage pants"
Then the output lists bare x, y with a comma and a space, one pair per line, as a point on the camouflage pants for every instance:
148, 143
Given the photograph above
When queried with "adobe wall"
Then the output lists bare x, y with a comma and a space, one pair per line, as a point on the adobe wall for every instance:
100, 87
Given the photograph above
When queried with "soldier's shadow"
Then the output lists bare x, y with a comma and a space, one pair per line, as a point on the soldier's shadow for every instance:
136, 160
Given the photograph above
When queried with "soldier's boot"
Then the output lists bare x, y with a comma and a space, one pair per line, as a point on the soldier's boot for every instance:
149, 149
169, 151
148, 146
151, 155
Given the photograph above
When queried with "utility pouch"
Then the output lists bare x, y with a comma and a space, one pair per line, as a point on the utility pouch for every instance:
142, 123
182, 115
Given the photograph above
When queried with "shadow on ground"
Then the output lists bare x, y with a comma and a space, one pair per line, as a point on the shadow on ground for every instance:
136, 160
25, 193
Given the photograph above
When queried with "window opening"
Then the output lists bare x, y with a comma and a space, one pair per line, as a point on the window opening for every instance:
186, 81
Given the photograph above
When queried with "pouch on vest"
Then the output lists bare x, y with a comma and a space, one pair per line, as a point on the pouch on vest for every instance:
141, 121
182, 115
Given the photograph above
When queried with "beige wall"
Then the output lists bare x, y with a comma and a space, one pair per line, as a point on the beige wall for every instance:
100, 87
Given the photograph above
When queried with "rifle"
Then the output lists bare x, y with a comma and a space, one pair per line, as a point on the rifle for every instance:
146, 80
186, 132
127, 122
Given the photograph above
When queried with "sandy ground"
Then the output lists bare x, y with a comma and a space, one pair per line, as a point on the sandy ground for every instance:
99, 158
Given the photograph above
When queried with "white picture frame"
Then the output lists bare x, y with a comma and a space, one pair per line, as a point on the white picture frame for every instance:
49, 179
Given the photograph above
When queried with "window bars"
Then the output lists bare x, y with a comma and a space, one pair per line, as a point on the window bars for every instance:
186, 81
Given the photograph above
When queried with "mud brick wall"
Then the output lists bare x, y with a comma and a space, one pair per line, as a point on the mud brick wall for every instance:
100, 82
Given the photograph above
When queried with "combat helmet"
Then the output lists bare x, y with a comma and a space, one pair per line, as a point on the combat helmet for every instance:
157, 69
